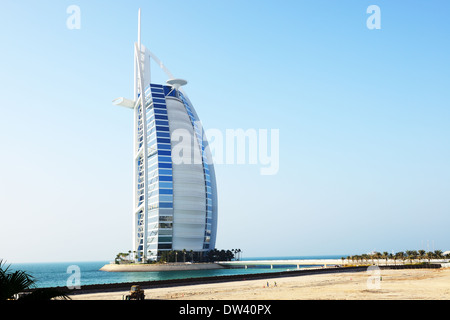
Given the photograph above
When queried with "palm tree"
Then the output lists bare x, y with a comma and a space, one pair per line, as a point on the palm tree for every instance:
364, 256
421, 254
12, 283
385, 256
400, 255
429, 255
438, 254
377, 256
414, 254
409, 254
404, 257
391, 257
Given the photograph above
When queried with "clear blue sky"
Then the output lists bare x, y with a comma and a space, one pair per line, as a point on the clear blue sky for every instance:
364, 120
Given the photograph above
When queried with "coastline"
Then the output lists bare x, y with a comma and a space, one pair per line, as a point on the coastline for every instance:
294, 263
181, 266
238, 277
321, 284
112, 287
187, 266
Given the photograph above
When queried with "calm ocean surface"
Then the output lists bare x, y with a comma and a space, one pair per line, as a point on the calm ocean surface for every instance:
57, 274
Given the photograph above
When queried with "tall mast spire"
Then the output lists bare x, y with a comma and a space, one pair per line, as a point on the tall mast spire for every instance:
137, 57
139, 29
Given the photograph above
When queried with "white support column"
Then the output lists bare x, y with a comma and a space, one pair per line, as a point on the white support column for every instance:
135, 145
143, 150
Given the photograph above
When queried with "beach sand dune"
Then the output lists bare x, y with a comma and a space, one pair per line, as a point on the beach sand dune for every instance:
403, 284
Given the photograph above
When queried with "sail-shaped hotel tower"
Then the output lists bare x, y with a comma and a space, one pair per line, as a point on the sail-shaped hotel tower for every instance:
175, 194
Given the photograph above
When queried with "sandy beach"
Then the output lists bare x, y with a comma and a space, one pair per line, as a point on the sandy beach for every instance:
385, 284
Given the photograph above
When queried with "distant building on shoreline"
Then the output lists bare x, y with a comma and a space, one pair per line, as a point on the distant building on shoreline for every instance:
175, 194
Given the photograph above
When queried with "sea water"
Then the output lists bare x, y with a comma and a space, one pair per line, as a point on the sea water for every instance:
58, 274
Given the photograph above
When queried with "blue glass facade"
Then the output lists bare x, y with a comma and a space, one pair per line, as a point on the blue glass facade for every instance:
160, 177
154, 230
